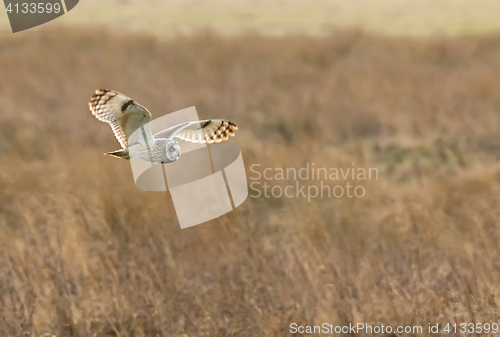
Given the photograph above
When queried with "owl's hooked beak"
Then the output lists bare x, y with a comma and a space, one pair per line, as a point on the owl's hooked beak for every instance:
178, 150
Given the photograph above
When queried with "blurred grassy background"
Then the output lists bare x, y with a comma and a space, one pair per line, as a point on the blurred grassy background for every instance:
394, 17
83, 252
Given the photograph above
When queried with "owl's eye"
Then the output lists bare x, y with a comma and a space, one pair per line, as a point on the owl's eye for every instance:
172, 149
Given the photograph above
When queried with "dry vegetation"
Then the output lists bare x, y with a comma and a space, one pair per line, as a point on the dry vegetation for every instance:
83, 252
394, 17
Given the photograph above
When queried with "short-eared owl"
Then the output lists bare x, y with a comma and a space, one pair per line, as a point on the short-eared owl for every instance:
130, 123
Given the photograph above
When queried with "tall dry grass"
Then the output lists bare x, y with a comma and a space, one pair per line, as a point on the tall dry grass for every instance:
83, 252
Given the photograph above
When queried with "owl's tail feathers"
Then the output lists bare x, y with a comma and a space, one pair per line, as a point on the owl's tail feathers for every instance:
122, 153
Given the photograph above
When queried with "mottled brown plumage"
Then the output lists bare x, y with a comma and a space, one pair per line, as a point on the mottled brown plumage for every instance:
127, 116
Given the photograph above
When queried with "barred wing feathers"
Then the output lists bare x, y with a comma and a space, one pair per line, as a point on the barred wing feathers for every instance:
206, 131
111, 107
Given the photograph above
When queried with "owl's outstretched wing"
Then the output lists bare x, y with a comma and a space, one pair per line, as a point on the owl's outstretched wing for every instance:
123, 114
206, 131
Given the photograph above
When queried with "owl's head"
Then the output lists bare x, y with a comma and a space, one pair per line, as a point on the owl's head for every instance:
173, 150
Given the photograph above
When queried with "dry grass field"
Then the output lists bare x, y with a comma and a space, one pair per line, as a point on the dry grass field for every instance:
394, 17
83, 252
278, 17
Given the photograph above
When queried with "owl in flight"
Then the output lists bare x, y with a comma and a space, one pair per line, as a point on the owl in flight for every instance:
130, 122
